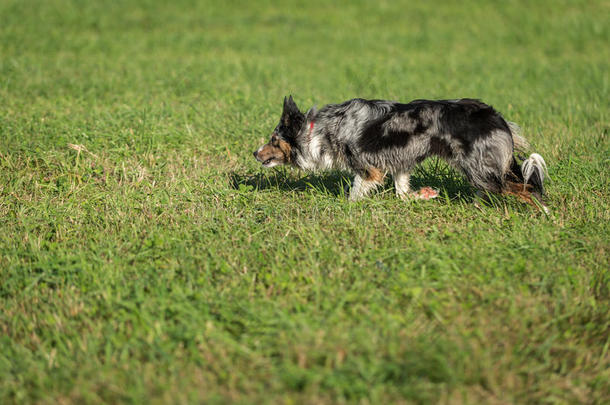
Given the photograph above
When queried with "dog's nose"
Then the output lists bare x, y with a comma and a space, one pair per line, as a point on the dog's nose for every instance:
254, 154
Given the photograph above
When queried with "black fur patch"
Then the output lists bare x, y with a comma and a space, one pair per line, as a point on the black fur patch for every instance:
353, 162
469, 120
440, 147
380, 134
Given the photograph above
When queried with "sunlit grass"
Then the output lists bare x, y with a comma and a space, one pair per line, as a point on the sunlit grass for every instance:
145, 255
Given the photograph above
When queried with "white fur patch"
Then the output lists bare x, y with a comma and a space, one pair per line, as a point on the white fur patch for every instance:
531, 164
361, 188
313, 159
401, 184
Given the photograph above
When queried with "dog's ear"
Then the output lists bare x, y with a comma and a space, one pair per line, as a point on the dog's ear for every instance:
291, 113
290, 107
311, 114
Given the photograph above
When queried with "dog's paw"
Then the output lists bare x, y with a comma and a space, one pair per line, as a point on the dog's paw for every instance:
425, 193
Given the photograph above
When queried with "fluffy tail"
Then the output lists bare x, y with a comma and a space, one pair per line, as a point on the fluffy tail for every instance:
534, 170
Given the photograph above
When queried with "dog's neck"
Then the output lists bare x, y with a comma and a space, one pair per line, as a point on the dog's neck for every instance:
309, 132
312, 157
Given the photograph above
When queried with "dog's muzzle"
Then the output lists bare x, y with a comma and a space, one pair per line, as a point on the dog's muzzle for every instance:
257, 157
272, 161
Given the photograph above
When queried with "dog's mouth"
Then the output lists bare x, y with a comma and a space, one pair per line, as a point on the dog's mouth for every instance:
268, 158
270, 162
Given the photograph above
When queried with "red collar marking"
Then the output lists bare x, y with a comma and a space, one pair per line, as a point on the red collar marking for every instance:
311, 126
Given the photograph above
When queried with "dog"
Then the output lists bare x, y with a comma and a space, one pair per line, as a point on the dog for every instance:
372, 138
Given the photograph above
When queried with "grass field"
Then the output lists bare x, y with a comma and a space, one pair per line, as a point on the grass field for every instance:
146, 257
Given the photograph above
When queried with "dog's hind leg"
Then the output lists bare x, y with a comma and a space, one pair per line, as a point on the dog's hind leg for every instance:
365, 183
402, 184
403, 188
486, 164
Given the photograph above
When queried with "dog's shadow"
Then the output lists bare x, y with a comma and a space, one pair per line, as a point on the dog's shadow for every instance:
448, 182
332, 183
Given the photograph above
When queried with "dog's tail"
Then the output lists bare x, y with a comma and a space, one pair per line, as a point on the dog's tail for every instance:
532, 171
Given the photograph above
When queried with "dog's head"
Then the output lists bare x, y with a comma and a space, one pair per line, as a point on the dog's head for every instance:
279, 149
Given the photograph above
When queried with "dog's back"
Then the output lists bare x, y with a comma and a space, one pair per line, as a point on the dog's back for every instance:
394, 137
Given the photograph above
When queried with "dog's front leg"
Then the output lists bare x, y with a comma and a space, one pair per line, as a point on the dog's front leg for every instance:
363, 185
360, 188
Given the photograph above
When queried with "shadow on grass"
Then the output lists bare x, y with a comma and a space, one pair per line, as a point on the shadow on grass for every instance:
332, 183
438, 176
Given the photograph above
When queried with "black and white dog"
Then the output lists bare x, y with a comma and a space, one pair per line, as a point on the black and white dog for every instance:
373, 137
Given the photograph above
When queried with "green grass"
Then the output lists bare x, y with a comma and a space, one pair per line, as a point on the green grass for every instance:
145, 255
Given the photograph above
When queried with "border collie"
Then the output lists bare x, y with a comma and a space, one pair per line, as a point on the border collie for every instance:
372, 138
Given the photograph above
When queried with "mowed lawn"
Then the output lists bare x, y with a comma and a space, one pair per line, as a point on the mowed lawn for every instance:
145, 256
